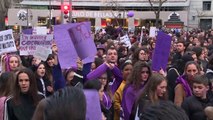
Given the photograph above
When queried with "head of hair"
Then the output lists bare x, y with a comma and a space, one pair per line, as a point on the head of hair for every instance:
135, 57
209, 112
201, 79
125, 64
66, 104
36, 68
7, 80
6, 60
164, 110
194, 63
93, 84
151, 87
210, 63
32, 92
135, 76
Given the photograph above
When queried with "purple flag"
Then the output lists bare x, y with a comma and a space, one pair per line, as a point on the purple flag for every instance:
66, 51
93, 105
80, 34
161, 52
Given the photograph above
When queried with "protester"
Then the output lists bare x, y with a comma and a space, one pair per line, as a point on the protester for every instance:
184, 82
10, 62
164, 111
126, 70
154, 91
44, 85
195, 104
135, 82
66, 104
25, 96
7, 80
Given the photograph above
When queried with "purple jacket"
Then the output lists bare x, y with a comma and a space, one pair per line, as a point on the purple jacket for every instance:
187, 89
113, 87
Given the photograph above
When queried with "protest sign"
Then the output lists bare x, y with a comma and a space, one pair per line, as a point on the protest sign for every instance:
42, 53
152, 32
93, 111
161, 51
29, 43
7, 42
125, 39
40, 30
82, 40
67, 54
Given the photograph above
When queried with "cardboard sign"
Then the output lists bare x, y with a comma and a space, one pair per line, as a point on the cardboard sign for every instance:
7, 42
161, 51
29, 43
125, 39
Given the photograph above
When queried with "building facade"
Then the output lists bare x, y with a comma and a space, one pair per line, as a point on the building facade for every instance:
201, 14
101, 12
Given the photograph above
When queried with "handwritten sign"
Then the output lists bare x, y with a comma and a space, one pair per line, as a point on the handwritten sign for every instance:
7, 43
40, 30
161, 51
29, 43
82, 40
152, 32
44, 54
125, 39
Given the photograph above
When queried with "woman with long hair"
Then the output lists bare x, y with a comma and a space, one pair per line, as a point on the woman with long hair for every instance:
44, 85
154, 91
25, 96
126, 70
136, 81
7, 80
183, 88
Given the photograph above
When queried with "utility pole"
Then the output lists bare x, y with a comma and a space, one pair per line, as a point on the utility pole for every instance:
50, 16
70, 12
62, 13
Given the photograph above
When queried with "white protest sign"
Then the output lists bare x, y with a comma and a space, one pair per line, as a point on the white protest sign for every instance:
152, 32
44, 54
125, 39
7, 42
29, 43
40, 30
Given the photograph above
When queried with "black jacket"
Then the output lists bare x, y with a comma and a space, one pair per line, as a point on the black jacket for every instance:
194, 107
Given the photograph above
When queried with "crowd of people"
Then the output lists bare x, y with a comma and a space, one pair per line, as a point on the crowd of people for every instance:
128, 88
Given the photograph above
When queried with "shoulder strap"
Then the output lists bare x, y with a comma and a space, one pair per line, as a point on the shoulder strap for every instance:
174, 70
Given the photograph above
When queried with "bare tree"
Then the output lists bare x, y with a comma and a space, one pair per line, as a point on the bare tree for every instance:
157, 10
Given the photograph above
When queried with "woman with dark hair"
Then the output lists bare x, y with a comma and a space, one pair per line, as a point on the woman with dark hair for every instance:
66, 104
141, 54
25, 96
154, 91
135, 82
183, 88
7, 80
44, 85
126, 70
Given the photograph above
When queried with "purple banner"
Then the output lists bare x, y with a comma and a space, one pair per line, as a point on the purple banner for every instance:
66, 51
93, 105
82, 40
161, 52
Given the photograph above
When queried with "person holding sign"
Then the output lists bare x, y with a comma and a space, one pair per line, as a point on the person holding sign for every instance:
100, 73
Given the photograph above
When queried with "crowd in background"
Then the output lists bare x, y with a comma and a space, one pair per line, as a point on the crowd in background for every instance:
128, 88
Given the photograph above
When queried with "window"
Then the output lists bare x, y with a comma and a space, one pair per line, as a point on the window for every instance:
206, 5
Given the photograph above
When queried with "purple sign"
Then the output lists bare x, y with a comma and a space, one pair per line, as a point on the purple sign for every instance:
82, 40
93, 105
161, 52
27, 31
66, 51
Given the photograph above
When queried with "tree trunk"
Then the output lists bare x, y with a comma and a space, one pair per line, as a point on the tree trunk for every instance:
157, 19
